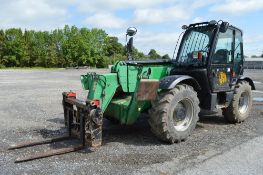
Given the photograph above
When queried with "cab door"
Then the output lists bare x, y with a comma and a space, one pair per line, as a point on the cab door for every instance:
238, 57
221, 63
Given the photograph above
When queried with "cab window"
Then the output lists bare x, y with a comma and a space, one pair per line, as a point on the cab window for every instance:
238, 51
223, 51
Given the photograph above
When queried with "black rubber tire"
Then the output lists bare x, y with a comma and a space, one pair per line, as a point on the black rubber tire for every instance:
161, 116
232, 113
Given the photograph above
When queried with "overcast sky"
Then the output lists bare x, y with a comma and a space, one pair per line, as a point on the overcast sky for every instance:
158, 21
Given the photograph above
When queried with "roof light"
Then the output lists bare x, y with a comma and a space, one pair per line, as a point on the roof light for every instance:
184, 27
213, 22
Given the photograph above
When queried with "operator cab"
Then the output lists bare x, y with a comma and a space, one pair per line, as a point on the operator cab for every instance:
207, 43
211, 53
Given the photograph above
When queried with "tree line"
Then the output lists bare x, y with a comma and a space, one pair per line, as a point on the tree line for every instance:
67, 47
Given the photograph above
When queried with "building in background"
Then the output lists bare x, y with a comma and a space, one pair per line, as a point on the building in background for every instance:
253, 63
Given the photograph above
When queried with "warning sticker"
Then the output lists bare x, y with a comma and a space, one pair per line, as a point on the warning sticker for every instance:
222, 78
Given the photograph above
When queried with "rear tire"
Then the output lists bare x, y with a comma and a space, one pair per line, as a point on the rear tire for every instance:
174, 114
241, 104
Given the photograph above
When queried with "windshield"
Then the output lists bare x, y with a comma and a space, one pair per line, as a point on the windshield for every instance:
195, 46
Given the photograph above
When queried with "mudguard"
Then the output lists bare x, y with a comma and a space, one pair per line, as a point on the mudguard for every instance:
249, 80
169, 82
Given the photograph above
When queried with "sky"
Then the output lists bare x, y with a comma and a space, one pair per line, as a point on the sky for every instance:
158, 21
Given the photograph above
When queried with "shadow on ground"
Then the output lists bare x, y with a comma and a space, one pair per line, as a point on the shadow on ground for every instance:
57, 120
138, 134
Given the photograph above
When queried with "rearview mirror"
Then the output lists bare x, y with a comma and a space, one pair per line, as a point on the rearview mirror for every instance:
131, 31
223, 27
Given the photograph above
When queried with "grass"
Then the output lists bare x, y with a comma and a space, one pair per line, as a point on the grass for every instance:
31, 68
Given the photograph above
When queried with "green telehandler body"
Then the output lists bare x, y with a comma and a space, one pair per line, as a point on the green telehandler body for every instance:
207, 73
119, 91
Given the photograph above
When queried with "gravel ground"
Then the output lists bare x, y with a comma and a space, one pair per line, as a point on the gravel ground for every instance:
30, 109
236, 161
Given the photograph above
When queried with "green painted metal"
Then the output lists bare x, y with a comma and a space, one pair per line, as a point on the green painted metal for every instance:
123, 79
128, 109
100, 87
129, 75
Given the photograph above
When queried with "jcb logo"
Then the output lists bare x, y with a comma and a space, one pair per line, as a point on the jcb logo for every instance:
222, 78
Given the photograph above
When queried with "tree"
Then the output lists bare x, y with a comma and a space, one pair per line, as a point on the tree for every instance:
15, 48
153, 54
40, 48
166, 56
58, 40
137, 55
2, 45
98, 41
70, 46
113, 47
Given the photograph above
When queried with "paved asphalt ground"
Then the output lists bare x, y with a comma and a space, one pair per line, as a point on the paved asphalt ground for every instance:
30, 109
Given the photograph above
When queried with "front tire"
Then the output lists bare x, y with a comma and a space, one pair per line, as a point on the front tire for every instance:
174, 114
241, 104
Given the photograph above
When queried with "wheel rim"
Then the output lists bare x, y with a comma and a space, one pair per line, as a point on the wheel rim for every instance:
183, 114
243, 102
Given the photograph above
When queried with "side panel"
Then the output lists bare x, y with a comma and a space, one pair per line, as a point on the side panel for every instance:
129, 75
221, 78
147, 89
126, 108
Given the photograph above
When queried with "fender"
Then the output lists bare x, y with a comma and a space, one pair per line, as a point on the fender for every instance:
249, 80
169, 82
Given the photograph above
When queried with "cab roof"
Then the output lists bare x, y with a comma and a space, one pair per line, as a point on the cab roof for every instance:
211, 23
